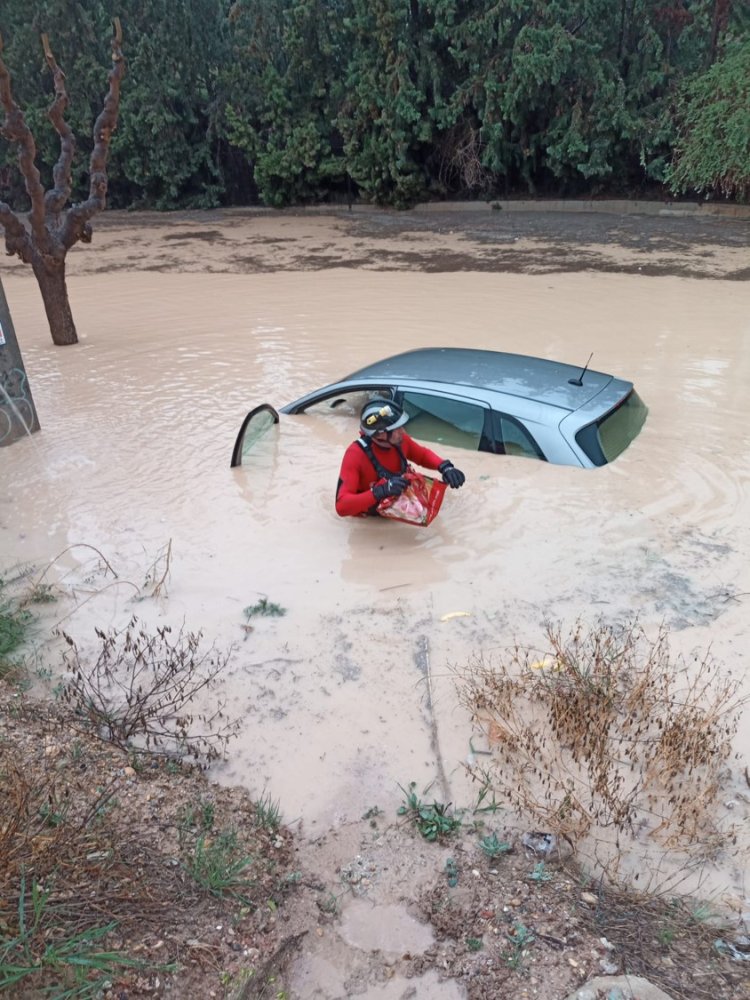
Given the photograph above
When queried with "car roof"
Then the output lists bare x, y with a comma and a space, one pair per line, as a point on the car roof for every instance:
521, 375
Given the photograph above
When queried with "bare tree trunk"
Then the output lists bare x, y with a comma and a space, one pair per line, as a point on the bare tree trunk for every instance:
51, 279
722, 10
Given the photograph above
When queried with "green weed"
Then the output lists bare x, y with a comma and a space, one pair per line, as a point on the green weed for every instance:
451, 870
372, 813
434, 822
493, 847
521, 938
51, 816
43, 593
14, 624
701, 913
666, 936
264, 607
540, 873
197, 816
474, 944
486, 792
328, 904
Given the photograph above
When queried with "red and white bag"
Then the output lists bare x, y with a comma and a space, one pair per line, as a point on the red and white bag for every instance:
418, 504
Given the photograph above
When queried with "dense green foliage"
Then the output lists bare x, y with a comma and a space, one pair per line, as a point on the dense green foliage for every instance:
392, 101
713, 129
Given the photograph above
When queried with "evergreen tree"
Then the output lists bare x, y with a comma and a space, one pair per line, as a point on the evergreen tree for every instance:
384, 118
712, 150
284, 86
165, 150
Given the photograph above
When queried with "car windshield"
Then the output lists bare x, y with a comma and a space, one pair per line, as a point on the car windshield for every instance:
604, 440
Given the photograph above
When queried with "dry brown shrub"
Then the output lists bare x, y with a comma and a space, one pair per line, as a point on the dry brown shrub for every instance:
139, 692
607, 730
460, 157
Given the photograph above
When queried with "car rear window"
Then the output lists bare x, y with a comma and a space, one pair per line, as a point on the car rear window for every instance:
607, 438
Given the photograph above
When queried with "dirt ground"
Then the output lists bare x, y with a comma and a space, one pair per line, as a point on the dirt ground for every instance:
125, 835
520, 924
248, 241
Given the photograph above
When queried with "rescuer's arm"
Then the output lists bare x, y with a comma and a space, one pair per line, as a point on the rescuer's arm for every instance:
416, 452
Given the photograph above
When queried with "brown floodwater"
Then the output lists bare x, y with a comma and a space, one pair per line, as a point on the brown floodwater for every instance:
351, 692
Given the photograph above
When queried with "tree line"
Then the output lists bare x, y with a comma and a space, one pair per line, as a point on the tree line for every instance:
285, 102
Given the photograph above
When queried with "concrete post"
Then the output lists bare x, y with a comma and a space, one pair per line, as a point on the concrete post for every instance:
17, 411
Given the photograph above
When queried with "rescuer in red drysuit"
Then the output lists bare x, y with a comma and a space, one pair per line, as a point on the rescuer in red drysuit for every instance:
381, 453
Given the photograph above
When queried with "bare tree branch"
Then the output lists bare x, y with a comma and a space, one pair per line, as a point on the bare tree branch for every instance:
55, 199
17, 242
76, 225
15, 129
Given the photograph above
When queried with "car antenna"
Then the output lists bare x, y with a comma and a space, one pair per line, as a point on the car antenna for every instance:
579, 380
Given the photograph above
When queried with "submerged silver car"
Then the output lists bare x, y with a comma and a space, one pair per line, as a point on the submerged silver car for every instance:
507, 404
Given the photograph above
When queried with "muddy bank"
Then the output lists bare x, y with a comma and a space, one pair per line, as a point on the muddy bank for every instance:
255, 241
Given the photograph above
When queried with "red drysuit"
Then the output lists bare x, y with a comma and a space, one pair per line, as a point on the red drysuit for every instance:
353, 494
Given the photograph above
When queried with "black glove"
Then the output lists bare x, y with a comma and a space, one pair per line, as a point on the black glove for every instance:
451, 475
392, 487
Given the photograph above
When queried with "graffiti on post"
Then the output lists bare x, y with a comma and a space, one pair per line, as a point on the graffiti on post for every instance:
14, 403
18, 416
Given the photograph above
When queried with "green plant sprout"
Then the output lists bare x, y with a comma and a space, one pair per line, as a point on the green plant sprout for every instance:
540, 873
493, 847
521, 938
434, 822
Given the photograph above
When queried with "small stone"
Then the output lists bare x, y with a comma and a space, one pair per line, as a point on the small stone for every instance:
129, 772
590, 898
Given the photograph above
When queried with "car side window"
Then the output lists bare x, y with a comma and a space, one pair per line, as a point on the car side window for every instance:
513, 439
444, 420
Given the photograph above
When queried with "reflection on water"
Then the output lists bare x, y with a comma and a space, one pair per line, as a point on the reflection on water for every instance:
138, 427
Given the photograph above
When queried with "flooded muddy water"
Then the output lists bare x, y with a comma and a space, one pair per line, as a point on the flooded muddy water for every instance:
351, 692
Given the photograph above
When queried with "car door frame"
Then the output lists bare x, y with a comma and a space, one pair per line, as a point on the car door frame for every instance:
237, 450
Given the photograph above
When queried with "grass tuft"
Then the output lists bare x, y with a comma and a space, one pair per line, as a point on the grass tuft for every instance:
220, 867
268, 812
34, 954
